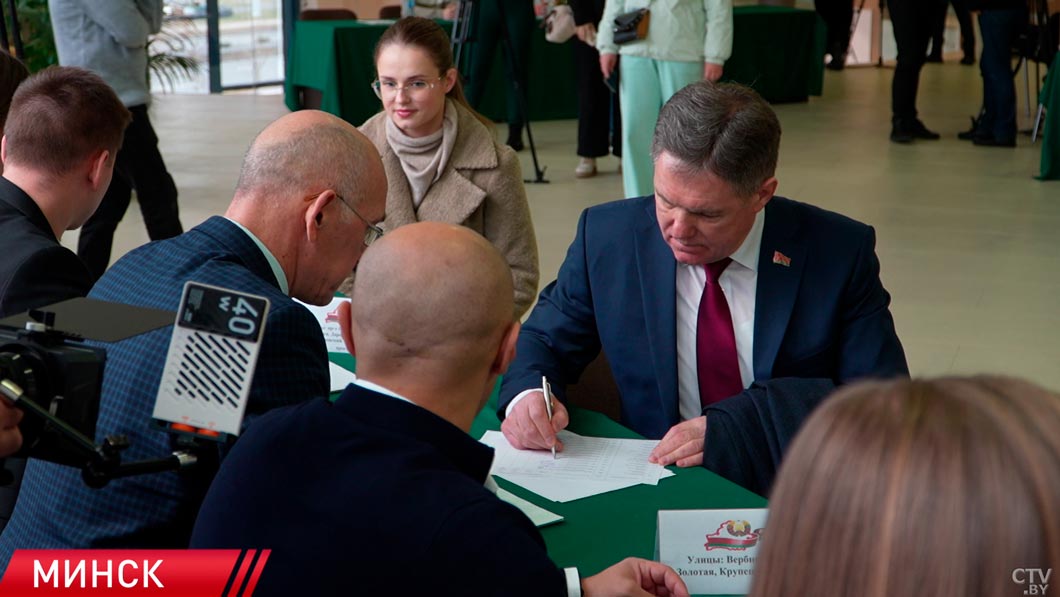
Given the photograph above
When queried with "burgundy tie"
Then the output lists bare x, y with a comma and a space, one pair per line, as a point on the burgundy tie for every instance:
716, 363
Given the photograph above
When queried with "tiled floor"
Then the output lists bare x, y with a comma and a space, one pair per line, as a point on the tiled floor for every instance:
969, 241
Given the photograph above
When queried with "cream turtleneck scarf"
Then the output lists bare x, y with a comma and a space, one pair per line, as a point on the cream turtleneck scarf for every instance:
424, 158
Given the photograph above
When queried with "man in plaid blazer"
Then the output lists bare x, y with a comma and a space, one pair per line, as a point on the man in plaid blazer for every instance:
310, 189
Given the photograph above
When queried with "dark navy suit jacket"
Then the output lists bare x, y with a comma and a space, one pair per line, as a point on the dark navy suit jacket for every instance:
823, 315
372, 495
748, 434
55, 509
35, 270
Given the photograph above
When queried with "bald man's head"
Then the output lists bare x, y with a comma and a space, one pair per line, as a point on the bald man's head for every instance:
310, 187
306, 152
432, 291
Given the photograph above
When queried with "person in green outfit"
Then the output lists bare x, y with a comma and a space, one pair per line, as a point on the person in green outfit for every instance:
687, 40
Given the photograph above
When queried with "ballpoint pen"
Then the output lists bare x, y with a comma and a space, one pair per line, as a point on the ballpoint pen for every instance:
547, 390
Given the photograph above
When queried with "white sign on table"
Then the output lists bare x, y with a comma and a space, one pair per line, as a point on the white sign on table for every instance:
714, 551
328, 318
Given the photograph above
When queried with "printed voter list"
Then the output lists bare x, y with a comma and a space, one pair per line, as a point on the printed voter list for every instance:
587, 466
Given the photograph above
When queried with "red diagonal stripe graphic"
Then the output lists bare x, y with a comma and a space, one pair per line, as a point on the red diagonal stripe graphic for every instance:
241, 576
232, 574
258, 568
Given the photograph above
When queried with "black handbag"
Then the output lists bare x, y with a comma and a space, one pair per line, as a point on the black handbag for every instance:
631, 26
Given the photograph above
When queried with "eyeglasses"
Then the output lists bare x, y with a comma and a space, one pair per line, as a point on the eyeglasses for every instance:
371, 232
388, 89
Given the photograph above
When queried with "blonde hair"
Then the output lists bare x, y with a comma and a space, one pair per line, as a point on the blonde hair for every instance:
929, 487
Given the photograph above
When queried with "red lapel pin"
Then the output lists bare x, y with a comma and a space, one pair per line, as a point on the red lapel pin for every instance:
781, 259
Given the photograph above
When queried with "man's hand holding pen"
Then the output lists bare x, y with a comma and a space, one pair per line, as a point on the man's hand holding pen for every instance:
527, 426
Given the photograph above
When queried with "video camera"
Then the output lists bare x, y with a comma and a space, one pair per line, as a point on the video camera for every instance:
48, 370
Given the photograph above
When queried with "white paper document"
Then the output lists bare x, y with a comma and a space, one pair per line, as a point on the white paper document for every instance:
328, 318
537, 515
340, 377
587, 465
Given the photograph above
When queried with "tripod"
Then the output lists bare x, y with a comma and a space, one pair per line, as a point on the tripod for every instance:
463, 35
16, 32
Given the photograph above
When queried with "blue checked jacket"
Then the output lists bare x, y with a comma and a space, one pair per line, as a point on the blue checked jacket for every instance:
55, 509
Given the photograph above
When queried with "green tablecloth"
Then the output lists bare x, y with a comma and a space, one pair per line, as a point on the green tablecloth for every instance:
775, 50
601, 530
335, 57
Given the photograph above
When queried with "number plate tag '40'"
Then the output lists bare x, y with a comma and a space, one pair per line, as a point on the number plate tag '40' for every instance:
211, 361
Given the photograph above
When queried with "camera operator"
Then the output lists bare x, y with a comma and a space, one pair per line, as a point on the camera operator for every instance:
61, 137
62, 134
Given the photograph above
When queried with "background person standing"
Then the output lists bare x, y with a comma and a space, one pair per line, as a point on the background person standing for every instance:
913, 21
110, 38
964, 18
490, 20
837, 16
599, 118
1000, 22
687, 41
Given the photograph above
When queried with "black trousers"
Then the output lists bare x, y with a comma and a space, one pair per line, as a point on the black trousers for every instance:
837, 16
913, 21
964, 18
140, 167
599, 118
1000, 28
488, 32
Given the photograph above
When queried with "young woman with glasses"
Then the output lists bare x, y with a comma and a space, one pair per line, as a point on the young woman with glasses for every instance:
442, 162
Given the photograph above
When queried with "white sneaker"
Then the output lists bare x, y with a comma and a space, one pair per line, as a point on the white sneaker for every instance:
586, 168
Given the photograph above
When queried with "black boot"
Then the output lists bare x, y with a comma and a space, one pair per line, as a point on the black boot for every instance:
838, 52
969, 134
905, 131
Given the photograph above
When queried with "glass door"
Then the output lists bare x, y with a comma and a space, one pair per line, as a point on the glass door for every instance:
233, 44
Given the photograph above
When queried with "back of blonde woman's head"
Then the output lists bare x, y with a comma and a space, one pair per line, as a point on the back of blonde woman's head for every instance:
917, 488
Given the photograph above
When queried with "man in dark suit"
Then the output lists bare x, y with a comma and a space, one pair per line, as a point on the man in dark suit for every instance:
62, 133
383, 491
739, 286
310, 188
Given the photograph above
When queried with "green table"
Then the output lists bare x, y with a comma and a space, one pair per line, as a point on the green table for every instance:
776, 50
335, 57
779, 51
599, 531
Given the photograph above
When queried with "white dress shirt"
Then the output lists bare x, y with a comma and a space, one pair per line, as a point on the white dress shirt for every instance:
739, 282
274, 264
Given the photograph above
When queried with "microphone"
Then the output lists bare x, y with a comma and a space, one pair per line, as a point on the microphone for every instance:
211, 360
